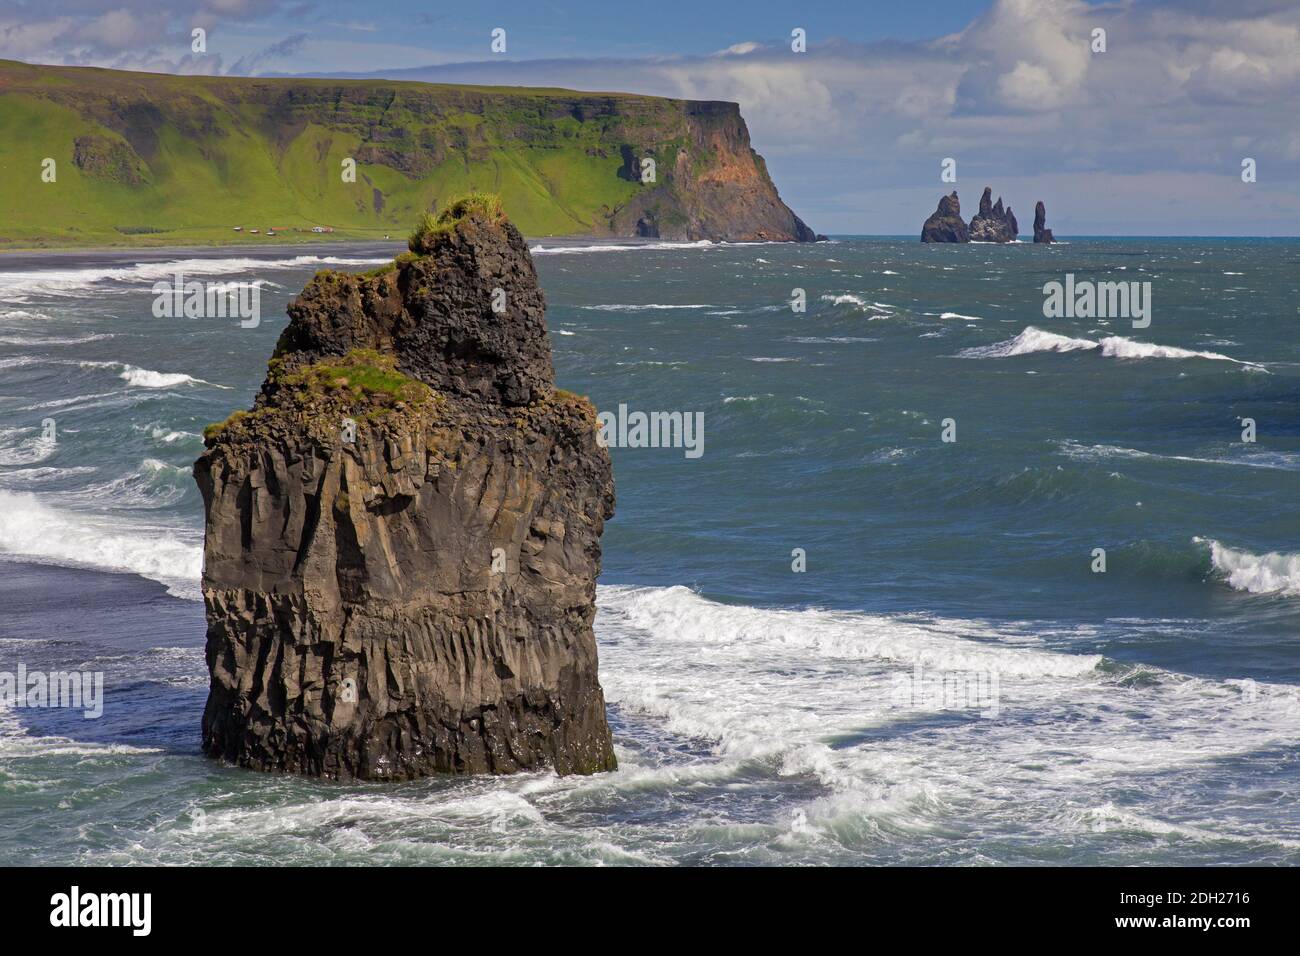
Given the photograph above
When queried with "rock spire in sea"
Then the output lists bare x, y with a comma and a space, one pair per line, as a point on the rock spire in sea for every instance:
403, 533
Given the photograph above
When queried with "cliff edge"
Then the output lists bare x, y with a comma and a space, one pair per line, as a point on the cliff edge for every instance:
402, 536
364, 158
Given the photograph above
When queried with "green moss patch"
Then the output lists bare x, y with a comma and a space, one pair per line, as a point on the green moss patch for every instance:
363, 375
214, 430
363, 384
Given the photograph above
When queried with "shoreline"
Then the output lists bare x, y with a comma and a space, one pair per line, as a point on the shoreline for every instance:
309, 247
324, 247
141, 254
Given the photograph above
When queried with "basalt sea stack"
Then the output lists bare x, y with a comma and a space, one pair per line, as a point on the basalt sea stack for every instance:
1041, 232
946, 225
403, 534
992, 223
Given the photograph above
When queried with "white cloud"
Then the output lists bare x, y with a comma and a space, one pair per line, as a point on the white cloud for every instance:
740, 49
1185, 88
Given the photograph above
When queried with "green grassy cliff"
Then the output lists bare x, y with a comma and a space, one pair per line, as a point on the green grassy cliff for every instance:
150, 159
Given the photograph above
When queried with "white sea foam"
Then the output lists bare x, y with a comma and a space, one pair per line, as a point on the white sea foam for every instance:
828, 339
23, 476
30, 528
884, 308
28, 450
38, 341
1116, 346
811, 695
848, 635
147, 378
958, 315
1272, 573
98, 400
620, 307
169, 436
21, 286
17, 744
615, 247
1027, 342
1034, 339
1280, 461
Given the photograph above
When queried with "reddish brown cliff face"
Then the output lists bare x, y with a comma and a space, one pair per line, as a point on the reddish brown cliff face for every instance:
709, 183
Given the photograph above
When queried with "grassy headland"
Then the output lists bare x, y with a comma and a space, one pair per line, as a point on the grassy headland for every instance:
148, 159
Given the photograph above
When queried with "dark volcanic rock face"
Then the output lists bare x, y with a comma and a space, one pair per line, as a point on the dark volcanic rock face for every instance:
435, 316
946, 224
992, 224
1041, 232
403, 534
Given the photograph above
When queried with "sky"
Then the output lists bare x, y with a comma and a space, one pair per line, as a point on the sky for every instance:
1144, 138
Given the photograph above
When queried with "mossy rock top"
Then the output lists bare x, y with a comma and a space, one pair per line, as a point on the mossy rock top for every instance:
363, 384
485, 207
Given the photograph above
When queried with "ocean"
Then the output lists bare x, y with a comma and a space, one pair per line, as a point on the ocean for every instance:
832, 637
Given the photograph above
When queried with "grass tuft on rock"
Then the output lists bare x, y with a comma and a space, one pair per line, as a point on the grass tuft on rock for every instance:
430, 226
363, 384
216, 428
362, 374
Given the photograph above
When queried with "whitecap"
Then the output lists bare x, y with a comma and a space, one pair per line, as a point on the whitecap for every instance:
30, 528
615, 247
1027, 342
1272, 573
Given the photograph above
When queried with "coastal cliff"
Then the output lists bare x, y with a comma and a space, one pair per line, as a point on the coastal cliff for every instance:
402, 536
712, 185
155, 159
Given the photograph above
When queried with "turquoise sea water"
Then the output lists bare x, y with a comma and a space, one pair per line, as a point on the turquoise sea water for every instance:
947, 680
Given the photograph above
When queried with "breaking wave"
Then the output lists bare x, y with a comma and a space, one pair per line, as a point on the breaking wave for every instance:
1034, 339
1272, 573
148, 378
616, 247
22, 286
1029, 341
883, 308
30, 528
689, 617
